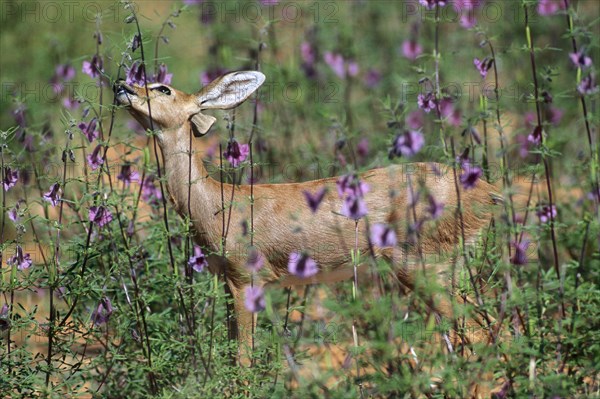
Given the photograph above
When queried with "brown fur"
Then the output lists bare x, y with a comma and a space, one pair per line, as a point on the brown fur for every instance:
282, 220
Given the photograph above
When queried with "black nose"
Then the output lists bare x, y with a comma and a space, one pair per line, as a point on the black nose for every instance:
117, 85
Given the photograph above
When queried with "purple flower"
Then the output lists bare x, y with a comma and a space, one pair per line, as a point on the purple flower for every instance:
70, 103
128, 175
254, 299
580, 60
353, 189
524, 145
519, 257
211, 74
351, 185
64, 72
314, 200
255, 260
198, 261
426, 102
10, 178
470, 175
414, 120
93, 68
536, 136
382, 235
136, 42
308, 53
100, 215
53, 196
467, 4
354, 207
483, 66
549, 7
95, 159
362, 148
352, 68
135, 74
468, 20
89, 129
236, 153
309, 57
336, 63
546, 213
449, 112
163, 76
102, 312
301, 265
207, 16
430, 4
150, 193
555, 115
530, 119
407, 144
372, 78
411, 49
587, 85
14, 213
22, 261
434, 208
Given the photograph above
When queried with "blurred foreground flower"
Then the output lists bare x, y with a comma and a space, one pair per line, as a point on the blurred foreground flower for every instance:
411, 49
430, 4
587, 85
255, 260
352, 190
340, 66
407, 144
301, 265
519, 257
550, 7
434, 208
383, 235
314, 200
470, 175
546, 213
580, 60
254, 299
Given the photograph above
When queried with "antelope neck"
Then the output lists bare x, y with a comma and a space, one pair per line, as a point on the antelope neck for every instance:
204, 195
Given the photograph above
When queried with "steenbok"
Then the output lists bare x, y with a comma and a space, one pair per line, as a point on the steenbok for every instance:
283, 221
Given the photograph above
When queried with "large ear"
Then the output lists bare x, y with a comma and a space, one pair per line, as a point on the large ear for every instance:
229, 90
201, 123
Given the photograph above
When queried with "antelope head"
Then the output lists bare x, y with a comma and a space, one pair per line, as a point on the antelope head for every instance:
170, 108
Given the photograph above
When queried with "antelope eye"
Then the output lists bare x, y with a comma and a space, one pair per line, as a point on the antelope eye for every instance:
163, 89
